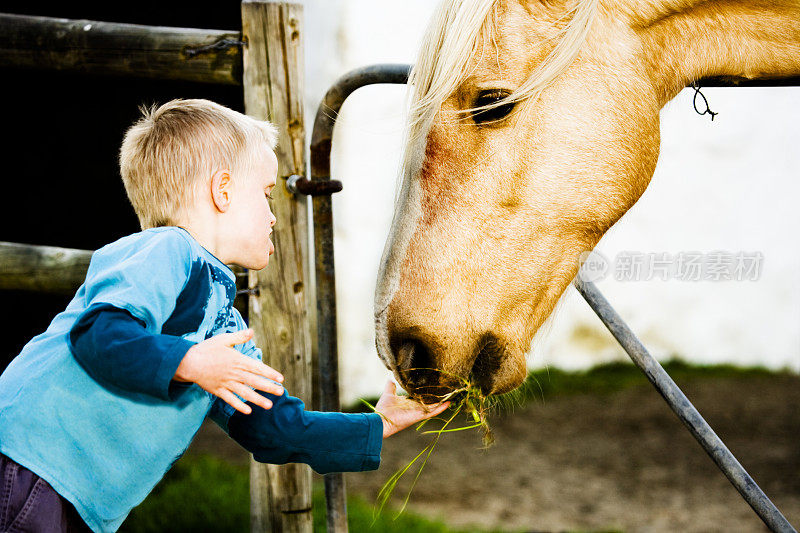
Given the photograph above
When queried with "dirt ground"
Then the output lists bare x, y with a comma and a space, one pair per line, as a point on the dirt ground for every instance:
617, 461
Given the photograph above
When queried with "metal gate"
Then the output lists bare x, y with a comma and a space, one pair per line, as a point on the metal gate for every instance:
321, 186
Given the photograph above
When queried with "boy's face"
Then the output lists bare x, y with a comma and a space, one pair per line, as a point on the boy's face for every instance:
250, 211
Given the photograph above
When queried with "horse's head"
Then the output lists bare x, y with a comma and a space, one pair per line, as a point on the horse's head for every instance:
533, 128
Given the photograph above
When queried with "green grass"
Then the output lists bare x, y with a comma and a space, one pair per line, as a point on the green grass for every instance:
198, 494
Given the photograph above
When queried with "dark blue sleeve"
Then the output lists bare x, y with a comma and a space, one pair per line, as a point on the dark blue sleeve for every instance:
328, 442
116, 349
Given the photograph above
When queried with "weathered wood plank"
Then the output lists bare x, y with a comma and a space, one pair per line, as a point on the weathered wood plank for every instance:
120, 49
42, 268
273, 89
49, 269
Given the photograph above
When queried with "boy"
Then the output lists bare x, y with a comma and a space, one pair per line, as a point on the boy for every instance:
96, 409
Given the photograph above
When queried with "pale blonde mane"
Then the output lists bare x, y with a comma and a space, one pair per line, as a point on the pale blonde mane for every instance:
460, 30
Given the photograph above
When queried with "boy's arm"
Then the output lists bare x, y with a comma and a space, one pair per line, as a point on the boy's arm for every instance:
130, 291
328, 442
287, 433
116, 349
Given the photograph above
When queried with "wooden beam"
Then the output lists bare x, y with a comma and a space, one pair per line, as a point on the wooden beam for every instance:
273, 89
95, 47
48, 269
42, 268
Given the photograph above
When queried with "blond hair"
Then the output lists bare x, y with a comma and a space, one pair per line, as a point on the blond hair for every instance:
173, 148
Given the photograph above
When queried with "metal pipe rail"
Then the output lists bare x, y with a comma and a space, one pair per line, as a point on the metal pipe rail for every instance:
321, 138
684, 409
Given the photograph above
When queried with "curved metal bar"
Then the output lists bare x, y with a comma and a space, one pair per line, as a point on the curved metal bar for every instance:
682, 407
745, 82
296, 184
323, 242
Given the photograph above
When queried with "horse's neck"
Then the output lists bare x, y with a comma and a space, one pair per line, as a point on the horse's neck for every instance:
686, 40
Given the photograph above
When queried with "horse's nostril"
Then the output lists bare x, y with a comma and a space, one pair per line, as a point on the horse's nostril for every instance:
487, 362
412, 355
418, 369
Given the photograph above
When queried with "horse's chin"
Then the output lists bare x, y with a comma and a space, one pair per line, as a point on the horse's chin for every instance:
510, 384
510, 375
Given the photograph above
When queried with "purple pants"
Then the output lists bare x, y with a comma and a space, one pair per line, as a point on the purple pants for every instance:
28, 503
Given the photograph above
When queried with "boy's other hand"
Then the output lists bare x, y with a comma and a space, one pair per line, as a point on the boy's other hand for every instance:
399, 412
224, 371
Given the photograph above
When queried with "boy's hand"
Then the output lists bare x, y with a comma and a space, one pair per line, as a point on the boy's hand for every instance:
399, 412
223, 371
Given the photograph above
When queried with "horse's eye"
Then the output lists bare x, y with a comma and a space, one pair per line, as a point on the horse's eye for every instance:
492, 114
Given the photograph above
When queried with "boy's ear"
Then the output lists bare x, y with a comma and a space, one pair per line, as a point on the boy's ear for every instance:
221, 189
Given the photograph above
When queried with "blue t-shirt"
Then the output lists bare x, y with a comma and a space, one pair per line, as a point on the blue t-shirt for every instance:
102, 421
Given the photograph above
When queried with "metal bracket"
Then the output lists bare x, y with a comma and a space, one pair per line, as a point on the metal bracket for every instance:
255, 291
301, 185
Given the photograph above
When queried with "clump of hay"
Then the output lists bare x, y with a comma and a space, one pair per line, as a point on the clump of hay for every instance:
468, 403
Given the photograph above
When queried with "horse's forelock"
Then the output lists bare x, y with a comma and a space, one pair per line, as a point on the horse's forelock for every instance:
459, 31
454, 33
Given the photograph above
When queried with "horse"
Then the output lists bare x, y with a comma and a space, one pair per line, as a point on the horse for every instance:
533, 127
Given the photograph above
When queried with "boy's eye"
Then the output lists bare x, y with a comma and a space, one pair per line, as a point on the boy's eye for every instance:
269, 196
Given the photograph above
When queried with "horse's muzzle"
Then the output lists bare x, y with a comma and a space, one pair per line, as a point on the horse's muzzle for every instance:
431, 372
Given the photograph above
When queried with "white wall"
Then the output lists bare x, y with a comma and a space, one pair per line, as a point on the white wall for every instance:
728, 185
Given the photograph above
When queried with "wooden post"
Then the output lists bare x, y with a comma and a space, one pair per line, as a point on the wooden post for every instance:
280, 496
